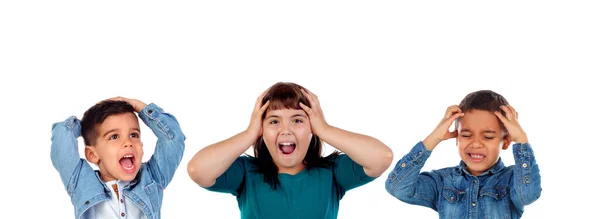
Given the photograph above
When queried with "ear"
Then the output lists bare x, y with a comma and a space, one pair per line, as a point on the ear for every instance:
505, 143
90, 154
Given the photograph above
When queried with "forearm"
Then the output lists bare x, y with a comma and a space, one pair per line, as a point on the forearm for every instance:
212, 161
374, 156
526, 186
405, 180
64, 151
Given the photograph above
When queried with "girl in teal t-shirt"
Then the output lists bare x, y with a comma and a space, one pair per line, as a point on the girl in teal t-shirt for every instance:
288, 177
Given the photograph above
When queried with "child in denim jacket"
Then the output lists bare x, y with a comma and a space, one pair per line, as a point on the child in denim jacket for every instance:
124, 187
480, 186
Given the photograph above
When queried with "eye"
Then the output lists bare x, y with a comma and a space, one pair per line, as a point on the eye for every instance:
134, 135
273, 122
113, 137
489, 137
297, 121
466, 135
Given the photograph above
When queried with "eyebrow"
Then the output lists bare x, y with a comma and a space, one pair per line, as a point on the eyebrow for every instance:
485, 131
113, 130
295, 115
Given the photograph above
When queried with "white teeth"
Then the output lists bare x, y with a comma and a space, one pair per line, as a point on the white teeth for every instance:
286, 143
128, 156
476, 156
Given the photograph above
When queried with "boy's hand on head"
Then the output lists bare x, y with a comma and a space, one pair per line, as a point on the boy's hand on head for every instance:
441, 133
138, 106
510, 121
255, 127
314, 112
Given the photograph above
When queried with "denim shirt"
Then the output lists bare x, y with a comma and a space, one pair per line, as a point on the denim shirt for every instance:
500, 192
83, 184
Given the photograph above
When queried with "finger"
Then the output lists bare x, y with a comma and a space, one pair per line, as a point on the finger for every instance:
306, 108
452, 110
258, 104
514, 112
507, 112
449, 121
264, 107
501, 117
308, 96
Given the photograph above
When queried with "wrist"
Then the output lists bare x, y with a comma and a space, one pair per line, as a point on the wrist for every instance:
431, 142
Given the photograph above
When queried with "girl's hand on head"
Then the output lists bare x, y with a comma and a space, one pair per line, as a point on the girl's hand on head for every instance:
314, 112
255, 127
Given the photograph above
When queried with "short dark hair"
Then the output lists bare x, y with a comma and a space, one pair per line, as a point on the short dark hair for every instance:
486, 100
96, 114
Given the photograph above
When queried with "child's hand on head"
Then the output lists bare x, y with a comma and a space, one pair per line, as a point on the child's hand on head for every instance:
441, 133
314, 112
515, 132
138, 106
255, 127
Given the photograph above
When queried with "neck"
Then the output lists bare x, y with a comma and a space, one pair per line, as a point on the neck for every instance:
292, 170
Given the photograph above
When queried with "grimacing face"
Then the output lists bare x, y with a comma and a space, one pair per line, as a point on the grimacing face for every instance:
480, 138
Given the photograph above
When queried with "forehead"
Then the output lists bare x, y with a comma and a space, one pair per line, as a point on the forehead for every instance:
124, 121
285, 112
479, 120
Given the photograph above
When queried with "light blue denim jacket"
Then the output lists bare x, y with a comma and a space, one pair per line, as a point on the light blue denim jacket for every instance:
83, 184
501, 192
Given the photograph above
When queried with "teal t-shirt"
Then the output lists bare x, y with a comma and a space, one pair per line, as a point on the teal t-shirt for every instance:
310, 194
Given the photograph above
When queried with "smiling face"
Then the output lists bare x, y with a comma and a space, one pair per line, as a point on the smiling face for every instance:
118, 149
480, 138
287, 135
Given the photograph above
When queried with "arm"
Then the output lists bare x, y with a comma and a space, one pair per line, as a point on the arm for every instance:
406, 184
170, 143
212, 161
64, 152
374, 156
526, 183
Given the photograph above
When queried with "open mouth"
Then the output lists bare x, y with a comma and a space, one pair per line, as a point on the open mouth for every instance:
287, 148
127, 163
476, 157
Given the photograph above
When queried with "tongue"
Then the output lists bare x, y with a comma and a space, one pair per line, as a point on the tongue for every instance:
126, 163
288, 149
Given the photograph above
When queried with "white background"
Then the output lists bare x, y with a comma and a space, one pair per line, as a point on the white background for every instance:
384, 68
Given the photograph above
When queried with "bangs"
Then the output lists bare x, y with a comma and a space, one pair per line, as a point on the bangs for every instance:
285, 96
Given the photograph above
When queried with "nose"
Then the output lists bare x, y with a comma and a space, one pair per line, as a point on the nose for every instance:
285, 130
476, 143
127, 143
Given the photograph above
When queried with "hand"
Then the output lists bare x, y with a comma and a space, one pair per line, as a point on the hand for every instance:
138, 106
315, 114
441, 133
255, 127
515, 132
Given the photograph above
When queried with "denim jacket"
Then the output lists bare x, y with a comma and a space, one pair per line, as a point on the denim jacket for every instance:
83, 184
500, 192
